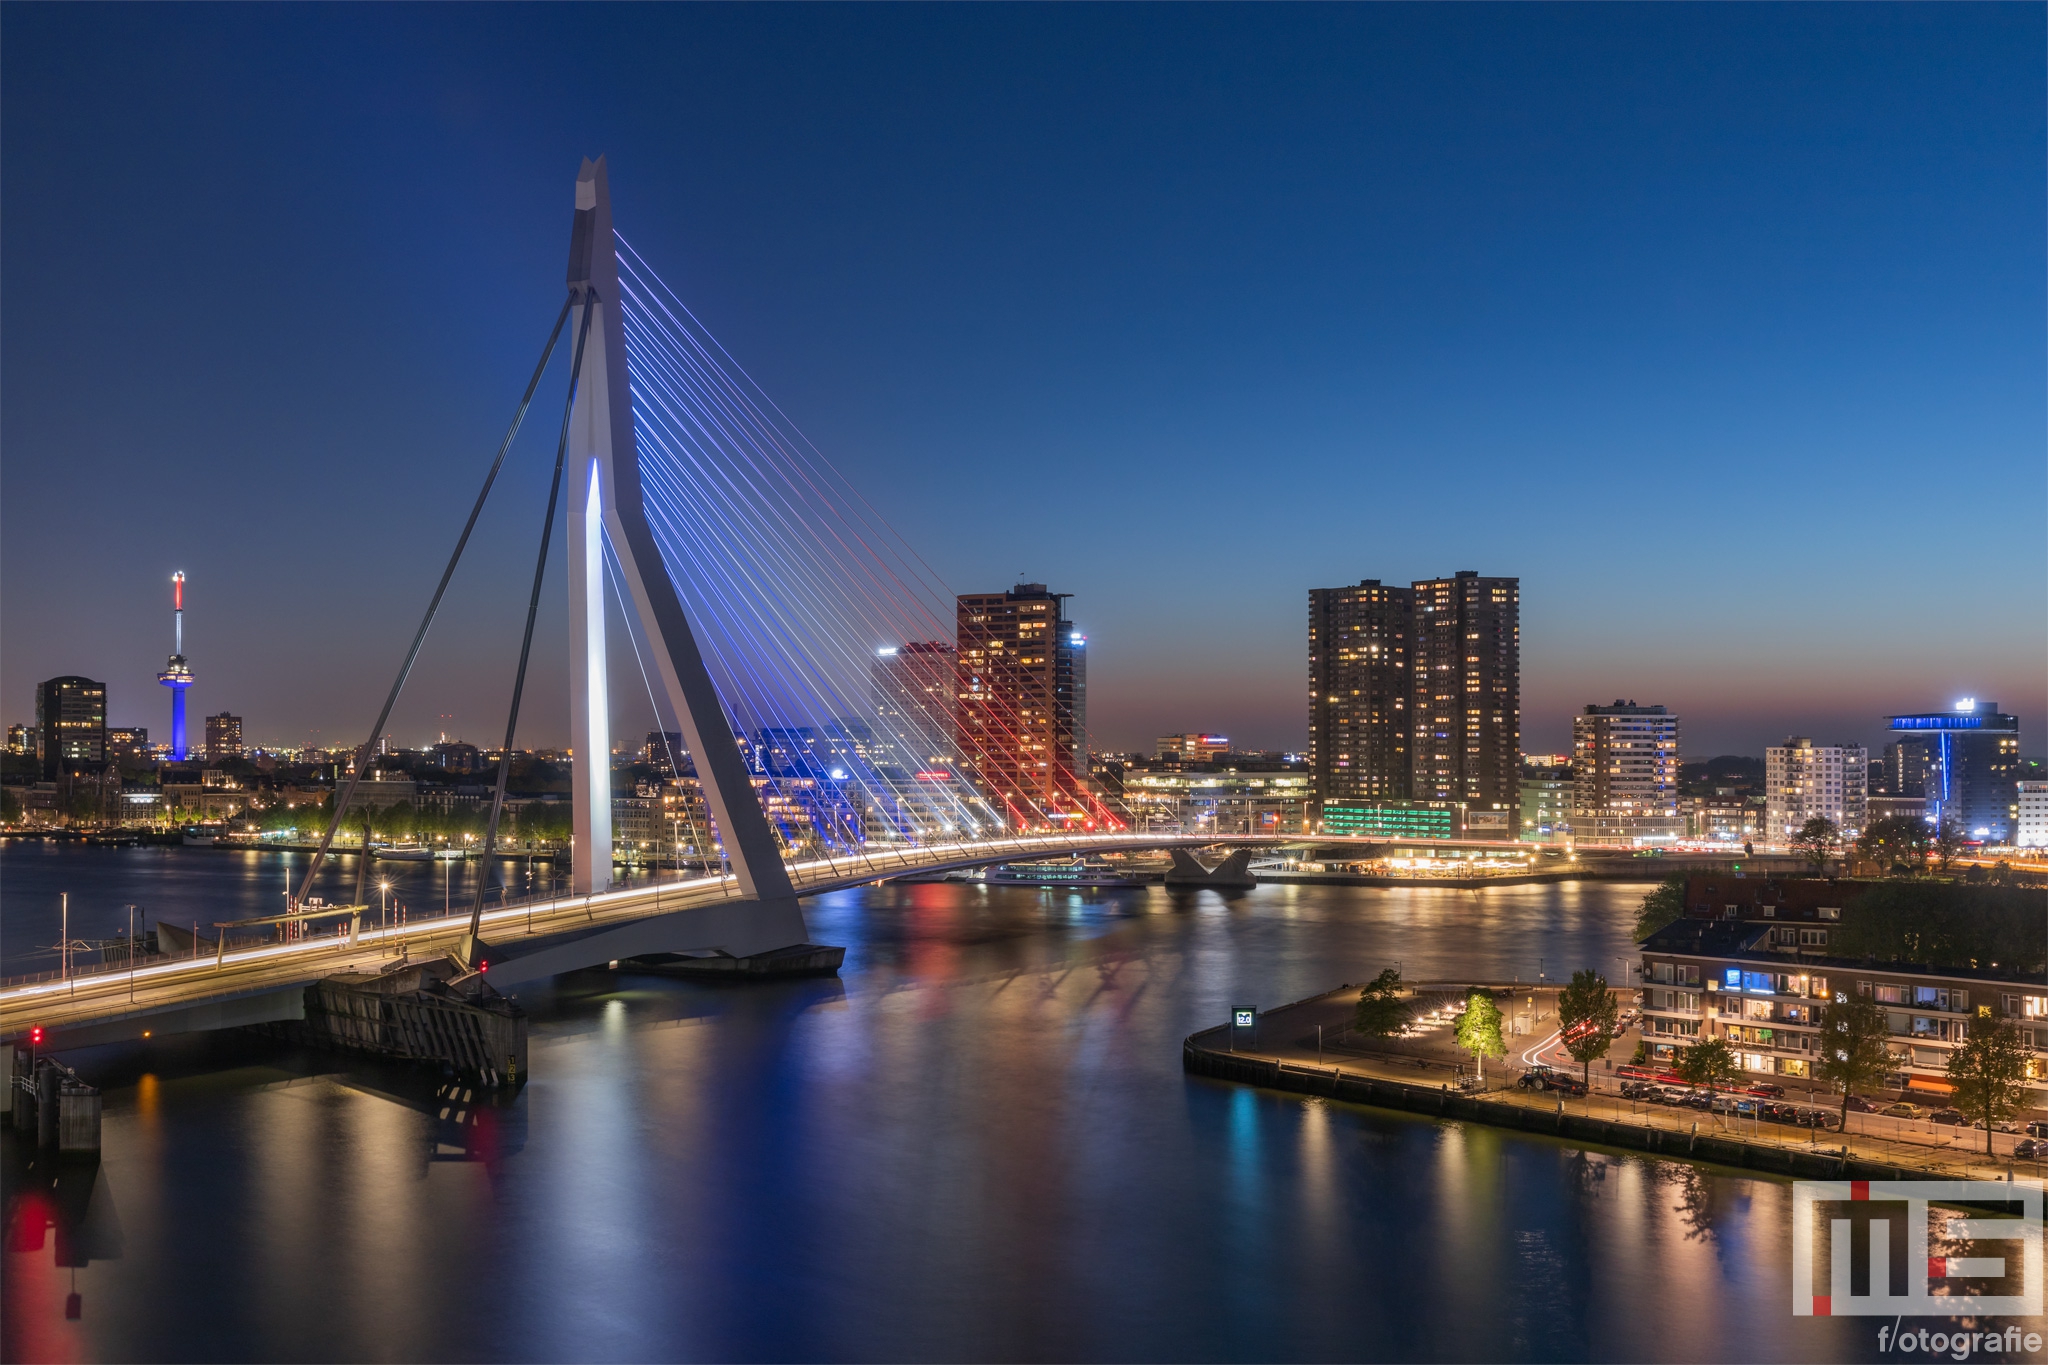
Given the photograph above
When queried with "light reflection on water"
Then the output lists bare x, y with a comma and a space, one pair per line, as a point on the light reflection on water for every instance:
977, 1143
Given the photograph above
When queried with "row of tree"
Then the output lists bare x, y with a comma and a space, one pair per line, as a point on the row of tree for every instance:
547, 820
1898, 845
1988, 1069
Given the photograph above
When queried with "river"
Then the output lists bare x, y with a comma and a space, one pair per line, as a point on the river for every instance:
976, 1143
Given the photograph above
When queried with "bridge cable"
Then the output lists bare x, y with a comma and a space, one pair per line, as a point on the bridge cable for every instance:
540, 568
420, 636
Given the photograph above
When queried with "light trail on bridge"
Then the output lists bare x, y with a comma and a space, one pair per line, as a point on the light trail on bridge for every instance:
106, 996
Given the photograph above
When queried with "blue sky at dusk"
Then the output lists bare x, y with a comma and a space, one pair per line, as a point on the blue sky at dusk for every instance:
1720, 326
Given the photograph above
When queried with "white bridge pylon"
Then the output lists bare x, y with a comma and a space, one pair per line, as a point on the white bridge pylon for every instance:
606, 504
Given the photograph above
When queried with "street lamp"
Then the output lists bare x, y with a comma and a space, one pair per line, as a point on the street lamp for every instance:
384, 913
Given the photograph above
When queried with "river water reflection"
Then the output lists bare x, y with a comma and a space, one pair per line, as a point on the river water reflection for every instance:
976, 1143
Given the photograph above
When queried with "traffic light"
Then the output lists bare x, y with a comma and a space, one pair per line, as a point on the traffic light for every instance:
35, 1036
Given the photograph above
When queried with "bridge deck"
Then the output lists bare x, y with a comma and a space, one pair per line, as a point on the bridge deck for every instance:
158, 987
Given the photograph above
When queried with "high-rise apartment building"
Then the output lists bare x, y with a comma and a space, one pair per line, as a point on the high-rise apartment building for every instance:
1466, 713
1020, 689
1360, 691
1973, 766
1625, 775
223, 737
1803, 780
71, 716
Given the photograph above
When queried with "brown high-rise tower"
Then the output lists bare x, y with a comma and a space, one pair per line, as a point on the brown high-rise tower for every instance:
1467, 711
1021, 707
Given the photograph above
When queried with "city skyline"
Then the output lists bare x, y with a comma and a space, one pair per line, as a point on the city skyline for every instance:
1768, 361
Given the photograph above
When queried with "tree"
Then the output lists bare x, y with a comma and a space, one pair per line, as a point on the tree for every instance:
1817, 839
1948, 842
1479, 1030
1587, 1015
1897, 842
1989, 1071
1709, 1062
1382, 1012
1663, 906
1852, 1045
10, 806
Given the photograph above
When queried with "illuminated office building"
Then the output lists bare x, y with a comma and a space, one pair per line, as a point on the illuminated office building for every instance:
71, 716
1973, 766
1193, 748
914, 685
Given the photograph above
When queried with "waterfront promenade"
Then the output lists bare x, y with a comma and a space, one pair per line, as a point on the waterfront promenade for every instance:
1288, 1039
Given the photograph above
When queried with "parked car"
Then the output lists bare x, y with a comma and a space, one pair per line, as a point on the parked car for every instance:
1769, 1089
1698, 1099
1671, 1095
1638, 1090
1859, 1105
1949, 1118
2036, 1128
1827, 1120
2031, 1149
1902, 1110
1774, 1112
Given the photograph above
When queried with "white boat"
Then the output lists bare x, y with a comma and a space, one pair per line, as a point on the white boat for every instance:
1057, 875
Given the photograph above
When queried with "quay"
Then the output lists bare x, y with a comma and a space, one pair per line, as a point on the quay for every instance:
1283, 1051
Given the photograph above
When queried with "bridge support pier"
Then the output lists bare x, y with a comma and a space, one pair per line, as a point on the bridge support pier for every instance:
1233, 873
413, 1014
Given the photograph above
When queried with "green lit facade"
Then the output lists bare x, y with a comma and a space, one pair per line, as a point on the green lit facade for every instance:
1393, 819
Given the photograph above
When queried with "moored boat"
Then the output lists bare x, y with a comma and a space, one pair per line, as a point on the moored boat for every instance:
1060, 875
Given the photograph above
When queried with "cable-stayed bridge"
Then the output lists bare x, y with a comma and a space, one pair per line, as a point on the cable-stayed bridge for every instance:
797, 645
